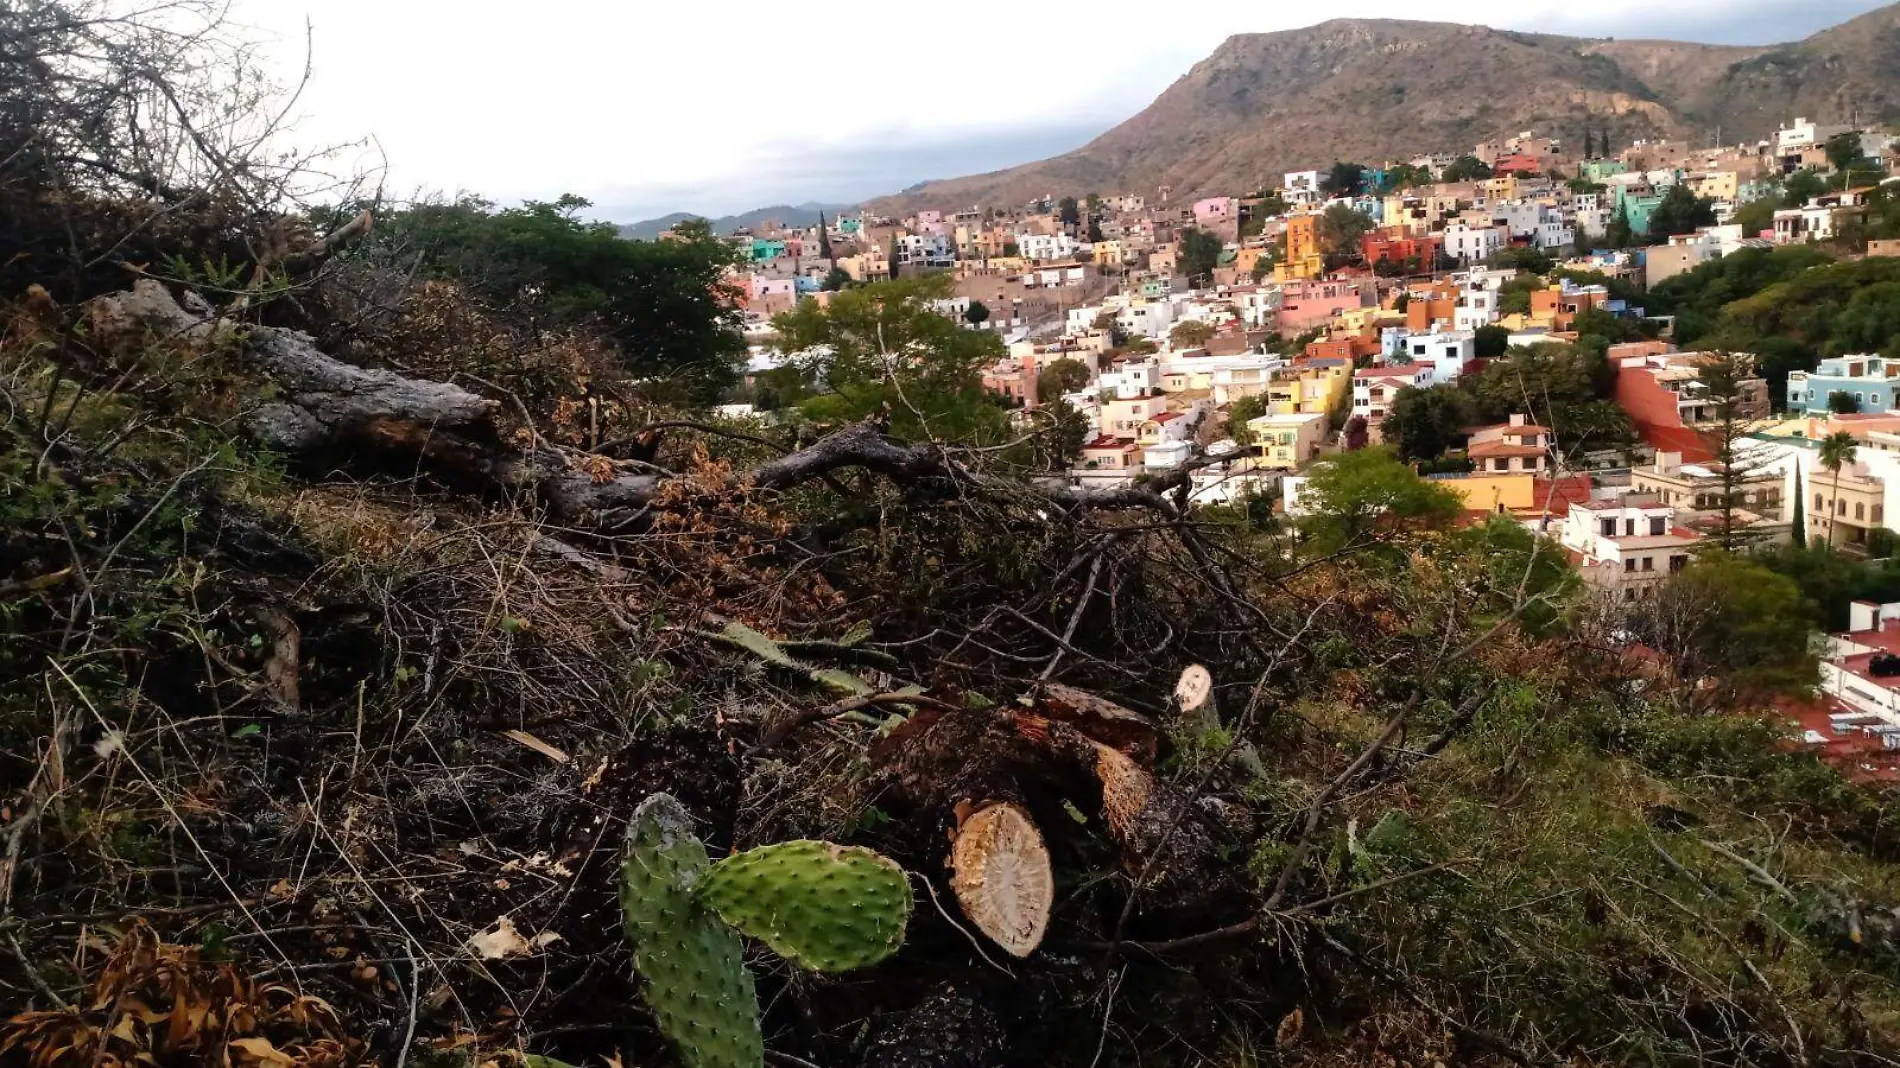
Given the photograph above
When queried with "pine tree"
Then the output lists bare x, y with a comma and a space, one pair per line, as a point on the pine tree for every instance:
1733, 386
1589, 146
824, 239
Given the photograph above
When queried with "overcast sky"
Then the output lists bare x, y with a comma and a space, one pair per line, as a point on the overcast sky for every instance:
651, 106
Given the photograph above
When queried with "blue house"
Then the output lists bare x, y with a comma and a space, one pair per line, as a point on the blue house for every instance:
1873, 383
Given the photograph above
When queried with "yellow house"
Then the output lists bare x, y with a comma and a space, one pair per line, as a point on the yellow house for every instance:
1303, 256
1493, 492
1313, 388
1108, 253
1501, 187
1287, 441
1716, 185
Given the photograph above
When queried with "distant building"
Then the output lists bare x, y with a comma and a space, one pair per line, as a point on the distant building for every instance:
1871, 380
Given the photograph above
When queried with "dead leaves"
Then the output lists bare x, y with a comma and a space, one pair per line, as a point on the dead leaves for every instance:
503, 941
161, 1004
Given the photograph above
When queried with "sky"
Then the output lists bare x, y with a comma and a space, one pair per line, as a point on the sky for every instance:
651, 106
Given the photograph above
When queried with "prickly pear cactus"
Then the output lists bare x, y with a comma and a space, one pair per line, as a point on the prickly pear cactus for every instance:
829, 908
690, 962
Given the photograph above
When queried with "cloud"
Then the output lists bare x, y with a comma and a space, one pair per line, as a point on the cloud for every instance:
649, 107
845, 173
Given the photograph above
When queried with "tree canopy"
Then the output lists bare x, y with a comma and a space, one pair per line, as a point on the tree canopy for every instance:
1199, 254
665, 304
1422, 424
882, 347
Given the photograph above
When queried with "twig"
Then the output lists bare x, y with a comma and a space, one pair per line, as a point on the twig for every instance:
1759, 873
785, 727
974, 944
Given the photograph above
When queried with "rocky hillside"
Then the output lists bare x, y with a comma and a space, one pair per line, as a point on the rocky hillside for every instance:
1368, 89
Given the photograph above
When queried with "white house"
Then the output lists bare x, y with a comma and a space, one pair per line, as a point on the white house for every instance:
1374, 389
1440, 355
1046, 246
1627, 546
1466, 242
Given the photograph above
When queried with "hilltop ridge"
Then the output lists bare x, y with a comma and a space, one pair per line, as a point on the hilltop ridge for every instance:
1370, 89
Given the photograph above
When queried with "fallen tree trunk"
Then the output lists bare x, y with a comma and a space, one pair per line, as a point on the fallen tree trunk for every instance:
324, 406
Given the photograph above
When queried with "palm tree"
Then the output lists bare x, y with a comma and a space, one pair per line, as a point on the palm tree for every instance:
1837, 451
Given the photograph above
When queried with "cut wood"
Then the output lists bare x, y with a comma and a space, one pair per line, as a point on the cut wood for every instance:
1002, 877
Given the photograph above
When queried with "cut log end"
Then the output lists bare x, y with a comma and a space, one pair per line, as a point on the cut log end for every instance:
1002, 877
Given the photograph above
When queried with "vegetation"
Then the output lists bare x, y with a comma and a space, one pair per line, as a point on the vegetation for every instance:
1199, 253
1423, 424
1057, 377
1190, 334
1465, 169
355, 616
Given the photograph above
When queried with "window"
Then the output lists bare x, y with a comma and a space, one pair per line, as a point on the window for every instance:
1649, 563
1609, 528
1860, 510
1817, 503
1840, 507
1658, 526
1629, 528
1677, 563
1629, 564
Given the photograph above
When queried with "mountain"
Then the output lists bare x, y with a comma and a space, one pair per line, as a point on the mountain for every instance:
1372, 89
791, 215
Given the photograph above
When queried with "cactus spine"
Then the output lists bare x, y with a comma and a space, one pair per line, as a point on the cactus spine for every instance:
690, 963
825, 907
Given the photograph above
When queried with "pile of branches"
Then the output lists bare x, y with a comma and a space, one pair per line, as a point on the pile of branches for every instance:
387, 744
334, 669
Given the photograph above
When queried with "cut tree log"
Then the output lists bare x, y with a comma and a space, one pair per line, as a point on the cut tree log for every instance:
324, 406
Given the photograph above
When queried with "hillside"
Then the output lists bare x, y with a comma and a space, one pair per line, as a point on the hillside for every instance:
1371, 89
403, 665
790, 215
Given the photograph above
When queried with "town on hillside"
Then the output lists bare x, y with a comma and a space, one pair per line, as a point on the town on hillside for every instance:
1486, 315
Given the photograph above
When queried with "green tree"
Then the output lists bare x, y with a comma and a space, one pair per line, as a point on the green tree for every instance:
1728, 379
1344, 180
1802, 186
1680, 212
1011, 249
1340, 228
1510, 569
1368, 492
1736, 629
977, 313
824, 238
1200, 252
1841, 402
1422, 424
1490, 342
1843, 151
883, 347
1837, 451
1190, 334
1754, 217
666, 305
1239, 412
1067, 212
1058, 377
835, 279
1562, 387
1589, 145
1619, 234
1466, 169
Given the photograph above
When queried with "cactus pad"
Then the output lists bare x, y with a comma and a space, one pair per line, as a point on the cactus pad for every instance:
825, 907
690, 963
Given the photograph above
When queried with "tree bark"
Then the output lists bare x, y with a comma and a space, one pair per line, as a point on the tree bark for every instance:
325, 407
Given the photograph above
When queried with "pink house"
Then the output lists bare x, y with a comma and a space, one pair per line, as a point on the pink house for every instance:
1215, 210
930, 222
1307, 304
